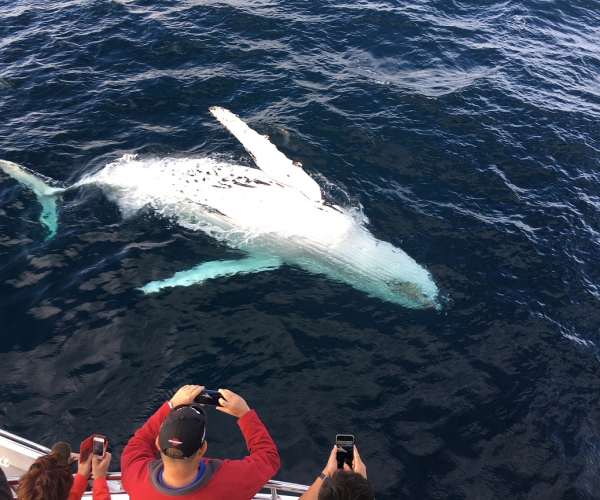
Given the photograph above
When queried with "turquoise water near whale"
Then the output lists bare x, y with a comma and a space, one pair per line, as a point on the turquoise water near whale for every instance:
468, 133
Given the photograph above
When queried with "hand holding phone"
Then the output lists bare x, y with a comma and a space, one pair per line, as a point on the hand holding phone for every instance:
345, 450
331, 467
94, 445
233, 404
186, 395
359, 466
100, 467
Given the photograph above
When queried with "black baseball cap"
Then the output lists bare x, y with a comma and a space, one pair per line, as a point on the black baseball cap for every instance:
183, 430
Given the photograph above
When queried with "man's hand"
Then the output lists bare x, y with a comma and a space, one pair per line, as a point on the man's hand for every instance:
331, 466
100, 468
232, 404
186, 395
84, 468
357, 465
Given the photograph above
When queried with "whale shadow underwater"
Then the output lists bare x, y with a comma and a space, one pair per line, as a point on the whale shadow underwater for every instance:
276, 214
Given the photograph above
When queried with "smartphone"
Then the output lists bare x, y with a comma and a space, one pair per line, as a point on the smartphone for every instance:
345, 450
99, 446
92, 446
208, 397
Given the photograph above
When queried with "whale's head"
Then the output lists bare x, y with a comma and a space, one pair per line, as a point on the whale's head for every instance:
415, 292
375, 267
418, 297
385, 271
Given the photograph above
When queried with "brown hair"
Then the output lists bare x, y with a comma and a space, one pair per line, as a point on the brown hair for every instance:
63, 450
48, 478
346, 485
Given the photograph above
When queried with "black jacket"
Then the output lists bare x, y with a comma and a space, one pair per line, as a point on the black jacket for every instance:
5, 491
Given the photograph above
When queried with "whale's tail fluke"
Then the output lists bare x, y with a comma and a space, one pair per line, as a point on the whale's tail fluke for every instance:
48, 192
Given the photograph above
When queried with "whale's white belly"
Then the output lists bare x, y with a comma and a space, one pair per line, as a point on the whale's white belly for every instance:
234, 197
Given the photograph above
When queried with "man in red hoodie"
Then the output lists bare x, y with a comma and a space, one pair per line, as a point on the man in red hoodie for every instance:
178, 430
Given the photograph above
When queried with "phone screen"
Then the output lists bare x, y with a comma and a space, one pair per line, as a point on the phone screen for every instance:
345, 450
98, 448
208, 397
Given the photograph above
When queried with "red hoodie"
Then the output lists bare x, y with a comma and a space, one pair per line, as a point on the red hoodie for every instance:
226, 480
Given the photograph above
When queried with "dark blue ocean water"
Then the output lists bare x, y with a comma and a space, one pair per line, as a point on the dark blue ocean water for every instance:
468, 132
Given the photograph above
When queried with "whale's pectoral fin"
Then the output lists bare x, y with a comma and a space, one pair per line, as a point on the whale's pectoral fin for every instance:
214, 269
47, 190
267, 157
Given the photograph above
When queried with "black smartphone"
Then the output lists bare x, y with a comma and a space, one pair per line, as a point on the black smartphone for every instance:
208, 397
345, 450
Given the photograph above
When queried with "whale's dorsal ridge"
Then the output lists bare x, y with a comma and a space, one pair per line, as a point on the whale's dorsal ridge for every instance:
267, 157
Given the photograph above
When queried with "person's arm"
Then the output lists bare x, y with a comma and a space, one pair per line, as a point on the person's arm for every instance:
81, 479
100, 489
141, 448
100, 470
262, 464
5, 491
313, 492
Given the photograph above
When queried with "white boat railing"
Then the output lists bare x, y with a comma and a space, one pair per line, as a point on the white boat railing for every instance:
116, 490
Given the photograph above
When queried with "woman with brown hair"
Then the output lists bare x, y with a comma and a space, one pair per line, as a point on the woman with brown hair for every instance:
48, 478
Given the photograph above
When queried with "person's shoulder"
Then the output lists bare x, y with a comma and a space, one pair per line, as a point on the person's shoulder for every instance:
139, 482
139, 470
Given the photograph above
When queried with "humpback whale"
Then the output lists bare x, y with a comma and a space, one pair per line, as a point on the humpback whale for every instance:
275, 214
